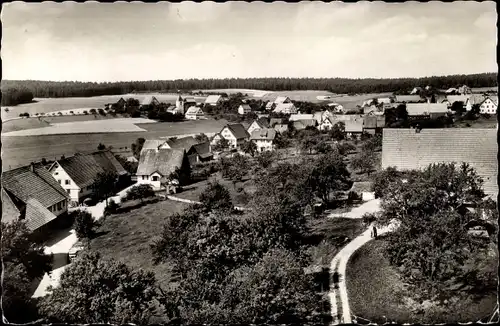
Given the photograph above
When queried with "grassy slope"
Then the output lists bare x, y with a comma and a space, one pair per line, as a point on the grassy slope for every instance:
127, 236
376, 290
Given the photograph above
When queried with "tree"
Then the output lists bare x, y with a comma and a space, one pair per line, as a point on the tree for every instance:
383, 178
373, 144
221, 145
216, 197
201, 138
329, 174
308, 142
104, 185
23, 261
363, 162
234, 168
140, 192
337, 132
265, 159
130, 167
458, 107
115, 295
249, 147
84, 224
101, 147
137, 147
431, 243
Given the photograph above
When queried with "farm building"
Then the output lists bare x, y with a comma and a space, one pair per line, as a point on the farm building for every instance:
77, 174
426, 110
149, 101
263, 139
373, 123
297, 117
244, 109
473, 100
157, 166
303, 124
274, 121
258, 124
337, 108
195, 113
489, 105
30, 193
235, 134
280, 127
354, 127
201, 152
408, 149
286, 108
213, 100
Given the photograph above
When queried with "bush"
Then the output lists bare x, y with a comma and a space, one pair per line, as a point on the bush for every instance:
59, 113
140, 192
84, 224
93, 111
85, 112
112, 207
369, 218
136, 114
71, 112
101, 112
353, 196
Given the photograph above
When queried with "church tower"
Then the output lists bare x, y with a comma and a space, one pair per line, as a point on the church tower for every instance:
179, 104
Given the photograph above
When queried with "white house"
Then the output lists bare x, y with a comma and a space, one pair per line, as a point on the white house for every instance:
149, 100
336, 107
235, 134
489, 105
195, 113
77, 174
286, 108
257, 124
213, 100
244, 109
263, 139
157, 165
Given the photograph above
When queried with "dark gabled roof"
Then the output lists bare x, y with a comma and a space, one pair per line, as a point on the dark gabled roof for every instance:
274, 121
202, 149
163, 161
37, 215
408, 149
263, 134
238, 130
373, 121
152, 144
182, 143
263, 122
83, 168
40, 185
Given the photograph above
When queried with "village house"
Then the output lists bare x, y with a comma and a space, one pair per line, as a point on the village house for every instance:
275, 121
195, 113
189, 101
303, 124
286, 108
298, 116
450, 99
474, 99
244, 109
373, 109
149, 101
201, 152
280, 127
489, 105
354, 127
416, 90
426, 110
213, 100
235, 134
196, 151
412, 149
258, 124
30, 193
158, 166
336, 107
373, 123
77, 174
263, 139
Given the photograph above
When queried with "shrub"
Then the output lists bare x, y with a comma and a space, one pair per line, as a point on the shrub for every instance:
140, 192
84, 224
85, 112
71, 112
59, 113
353, 196
101, 112
93, 111
369, 218
112, 207
136, 114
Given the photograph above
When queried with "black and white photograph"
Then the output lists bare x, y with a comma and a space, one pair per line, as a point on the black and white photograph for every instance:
223, 163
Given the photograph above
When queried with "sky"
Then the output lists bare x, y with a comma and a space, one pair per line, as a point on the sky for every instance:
137, 41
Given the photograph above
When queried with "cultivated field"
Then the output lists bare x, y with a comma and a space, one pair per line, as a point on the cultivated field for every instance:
84, 127
48, 105
18, 151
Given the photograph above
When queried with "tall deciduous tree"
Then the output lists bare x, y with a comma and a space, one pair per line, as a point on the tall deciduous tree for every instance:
137, 147
93, 290
329, 174
104, 185
249, 147
216, 197
84, 224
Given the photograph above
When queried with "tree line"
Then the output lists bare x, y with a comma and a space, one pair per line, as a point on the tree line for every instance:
15, 96
336, 85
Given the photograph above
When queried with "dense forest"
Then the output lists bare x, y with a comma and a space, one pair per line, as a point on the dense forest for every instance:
15, 96
335, 85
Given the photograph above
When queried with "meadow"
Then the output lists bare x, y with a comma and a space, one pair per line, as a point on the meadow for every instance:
19, 151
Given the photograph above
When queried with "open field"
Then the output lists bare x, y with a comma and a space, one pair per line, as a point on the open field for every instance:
250, 92
85, 127
127, 236
18, 151
46, 105
376, 290
484, 89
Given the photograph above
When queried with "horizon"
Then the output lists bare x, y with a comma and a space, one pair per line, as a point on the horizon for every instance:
126, 42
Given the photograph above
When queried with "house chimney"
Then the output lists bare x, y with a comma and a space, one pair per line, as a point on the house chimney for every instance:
32, 167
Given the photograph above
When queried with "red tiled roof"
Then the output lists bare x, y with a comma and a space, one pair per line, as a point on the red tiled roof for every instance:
407, 149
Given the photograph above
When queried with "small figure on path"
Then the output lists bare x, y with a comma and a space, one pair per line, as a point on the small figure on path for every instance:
374, 232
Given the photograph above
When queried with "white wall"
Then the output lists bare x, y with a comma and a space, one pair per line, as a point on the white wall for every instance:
148, 179
254, 126
227, 134
488, 107
62, 177
264, 145
63, 208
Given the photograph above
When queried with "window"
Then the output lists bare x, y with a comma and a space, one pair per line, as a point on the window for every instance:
81, 190
60, 181
50, 208
155, 178
143, 178
59, 206
68, 190
56, 173
66, 182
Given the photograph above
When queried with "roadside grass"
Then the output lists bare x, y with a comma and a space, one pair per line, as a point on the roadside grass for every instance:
378, 294
126, 237
328, 236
